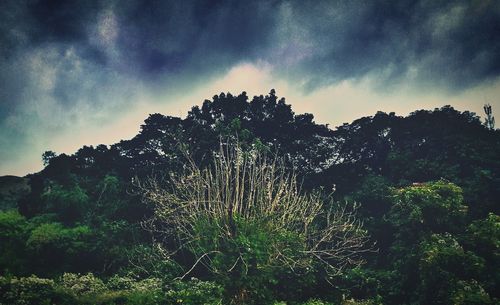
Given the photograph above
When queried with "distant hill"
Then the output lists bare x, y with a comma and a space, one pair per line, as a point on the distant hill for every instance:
11, 189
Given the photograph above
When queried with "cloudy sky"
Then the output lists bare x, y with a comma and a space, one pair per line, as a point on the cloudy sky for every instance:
89, 72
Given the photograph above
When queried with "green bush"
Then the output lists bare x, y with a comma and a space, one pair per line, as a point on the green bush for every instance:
82, 284
124, 298
245, 221
127, 283
470, 293
320, 302
194, 292
245, 264
315, 302
31, 291
75, 289
360, 302
14, 229
149, 261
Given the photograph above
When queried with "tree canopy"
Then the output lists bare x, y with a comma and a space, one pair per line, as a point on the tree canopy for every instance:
426, 188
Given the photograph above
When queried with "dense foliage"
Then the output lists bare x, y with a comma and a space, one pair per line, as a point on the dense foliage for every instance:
428, 186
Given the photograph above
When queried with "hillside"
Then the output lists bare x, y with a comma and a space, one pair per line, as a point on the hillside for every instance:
416, 199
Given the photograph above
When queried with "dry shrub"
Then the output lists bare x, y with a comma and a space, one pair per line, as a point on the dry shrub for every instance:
246, 212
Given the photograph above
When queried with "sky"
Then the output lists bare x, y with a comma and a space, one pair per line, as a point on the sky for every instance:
76, 73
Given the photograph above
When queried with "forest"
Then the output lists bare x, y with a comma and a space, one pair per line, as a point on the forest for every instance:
244, 201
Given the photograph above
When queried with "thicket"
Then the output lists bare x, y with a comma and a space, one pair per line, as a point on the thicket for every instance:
245, 222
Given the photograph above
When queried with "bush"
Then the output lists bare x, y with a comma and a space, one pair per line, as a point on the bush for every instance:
149, 261
315, 302
14, 229
470, 293
244, 220
124, 298
82, 284
360, 302
194, 292
118, 290
127, 283
31, 291
74, 289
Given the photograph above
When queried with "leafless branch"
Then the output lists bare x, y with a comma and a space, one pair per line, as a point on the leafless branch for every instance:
252, 187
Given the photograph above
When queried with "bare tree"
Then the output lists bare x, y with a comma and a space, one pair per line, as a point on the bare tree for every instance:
248, 187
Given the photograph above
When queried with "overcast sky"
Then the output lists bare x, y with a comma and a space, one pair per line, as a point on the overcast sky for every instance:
76, 73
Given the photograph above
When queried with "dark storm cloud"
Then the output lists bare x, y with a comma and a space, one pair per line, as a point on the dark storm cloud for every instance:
66, 64
450, 44
62, 62
316, 42
171, 36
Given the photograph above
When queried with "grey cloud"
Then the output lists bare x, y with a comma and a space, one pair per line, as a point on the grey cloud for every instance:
429, 43
63, 62
452, 44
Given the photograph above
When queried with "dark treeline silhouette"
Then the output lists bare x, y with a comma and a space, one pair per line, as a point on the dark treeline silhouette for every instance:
428, 185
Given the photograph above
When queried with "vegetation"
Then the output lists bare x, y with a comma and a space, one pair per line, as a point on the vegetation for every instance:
245, 220
384, 210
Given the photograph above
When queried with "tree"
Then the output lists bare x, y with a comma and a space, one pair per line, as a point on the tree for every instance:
448, 273
429, 262
47, 156
244, 218
435, 207
490, 120
14, 230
